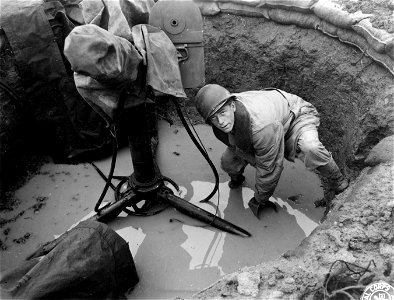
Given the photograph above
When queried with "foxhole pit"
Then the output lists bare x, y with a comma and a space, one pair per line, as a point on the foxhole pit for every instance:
352, 93
354, 96
175, 255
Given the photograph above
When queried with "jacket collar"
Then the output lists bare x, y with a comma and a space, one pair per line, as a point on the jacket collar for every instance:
241, 135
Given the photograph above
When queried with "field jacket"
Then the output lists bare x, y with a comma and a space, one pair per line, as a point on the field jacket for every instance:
267, 126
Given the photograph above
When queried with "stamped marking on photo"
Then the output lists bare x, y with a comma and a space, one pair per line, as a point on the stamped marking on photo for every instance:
378, 291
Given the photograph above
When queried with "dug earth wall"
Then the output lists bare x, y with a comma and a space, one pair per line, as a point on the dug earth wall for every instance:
246, 49
339, 61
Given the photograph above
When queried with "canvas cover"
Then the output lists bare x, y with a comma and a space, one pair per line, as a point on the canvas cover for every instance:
30, 35
36, 31
91, 262
106, 65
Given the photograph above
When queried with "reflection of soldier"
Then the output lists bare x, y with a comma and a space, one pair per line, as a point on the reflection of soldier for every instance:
261, 128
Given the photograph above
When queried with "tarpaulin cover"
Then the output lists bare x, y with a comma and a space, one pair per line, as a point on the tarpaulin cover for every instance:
28, 29
105, 64
116, 16
31, 38
163, 73
95, 52
36, 30
91, 262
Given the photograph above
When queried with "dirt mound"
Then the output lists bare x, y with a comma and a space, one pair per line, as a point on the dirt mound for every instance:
351, 92
353, 247
354, 96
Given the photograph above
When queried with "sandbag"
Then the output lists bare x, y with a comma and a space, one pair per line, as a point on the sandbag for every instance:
293, 5
354, 29
389, 48
382, 59
328, 28
294, 18
245, 2
380, 40
297, 5
333, 13
244, 10
350, 37
91, 262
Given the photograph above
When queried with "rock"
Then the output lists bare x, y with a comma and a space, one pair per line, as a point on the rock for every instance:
289, 253
344, 255
289, 280
390, 5
382, 152
390, 204
271, 281
248, 283
335, 236
288, 288
355, 245
386, 250
373, 234
276, 295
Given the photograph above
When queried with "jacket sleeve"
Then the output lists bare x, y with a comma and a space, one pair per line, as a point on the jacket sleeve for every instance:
269, 153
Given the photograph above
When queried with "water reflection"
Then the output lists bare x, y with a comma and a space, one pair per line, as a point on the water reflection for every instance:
209, 248
305, 223
174, 258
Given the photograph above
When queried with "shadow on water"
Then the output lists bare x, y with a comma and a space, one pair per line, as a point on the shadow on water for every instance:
181, 257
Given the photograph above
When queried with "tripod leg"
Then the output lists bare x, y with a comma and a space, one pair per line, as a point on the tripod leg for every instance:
112, 210
200, 214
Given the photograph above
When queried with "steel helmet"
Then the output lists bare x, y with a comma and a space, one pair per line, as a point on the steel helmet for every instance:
210, 98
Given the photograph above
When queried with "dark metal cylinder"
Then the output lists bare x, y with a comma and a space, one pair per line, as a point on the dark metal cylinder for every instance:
139, 142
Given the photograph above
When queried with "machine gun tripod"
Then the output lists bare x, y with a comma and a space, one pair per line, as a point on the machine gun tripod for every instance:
145, 190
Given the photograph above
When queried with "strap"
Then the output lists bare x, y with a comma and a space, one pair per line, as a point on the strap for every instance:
274, 89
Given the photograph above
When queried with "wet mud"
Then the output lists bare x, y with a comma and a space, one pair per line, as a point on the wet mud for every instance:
175, 255
354, 96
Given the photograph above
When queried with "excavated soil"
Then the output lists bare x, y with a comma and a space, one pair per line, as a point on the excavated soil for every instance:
353, 247
354, 96
355, 99
351, 92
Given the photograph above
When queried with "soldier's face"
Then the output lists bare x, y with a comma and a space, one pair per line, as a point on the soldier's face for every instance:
223, 119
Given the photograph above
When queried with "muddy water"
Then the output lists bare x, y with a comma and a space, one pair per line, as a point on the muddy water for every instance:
174, 258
